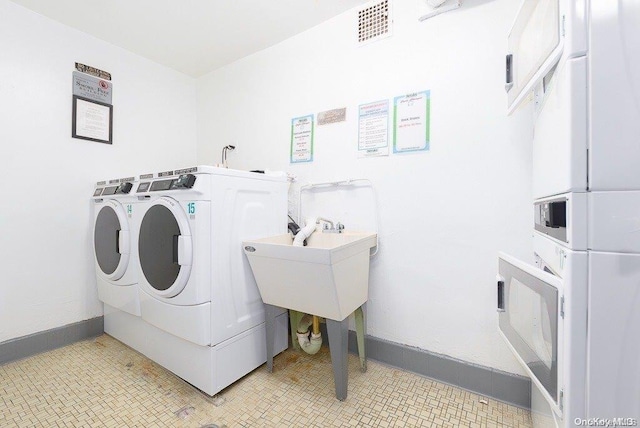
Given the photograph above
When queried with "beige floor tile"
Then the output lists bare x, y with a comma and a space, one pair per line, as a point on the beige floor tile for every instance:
103, 383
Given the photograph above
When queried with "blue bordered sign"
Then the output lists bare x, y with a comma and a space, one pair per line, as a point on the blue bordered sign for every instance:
411, 122
301, 139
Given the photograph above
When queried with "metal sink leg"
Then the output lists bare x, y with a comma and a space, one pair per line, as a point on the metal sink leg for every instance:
337, 332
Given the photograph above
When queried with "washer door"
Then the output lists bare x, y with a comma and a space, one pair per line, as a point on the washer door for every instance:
111, 241
165, 247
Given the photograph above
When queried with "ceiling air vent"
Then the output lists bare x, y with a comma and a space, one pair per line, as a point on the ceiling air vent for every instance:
374, 22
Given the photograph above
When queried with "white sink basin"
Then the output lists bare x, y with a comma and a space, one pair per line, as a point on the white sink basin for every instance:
329, 277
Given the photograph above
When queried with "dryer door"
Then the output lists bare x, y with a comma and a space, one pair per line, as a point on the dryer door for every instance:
165, 247
111, 240
534, 47
529, 320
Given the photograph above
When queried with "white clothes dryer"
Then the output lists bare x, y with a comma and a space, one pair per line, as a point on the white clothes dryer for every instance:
114, 244
571, 319
196, 287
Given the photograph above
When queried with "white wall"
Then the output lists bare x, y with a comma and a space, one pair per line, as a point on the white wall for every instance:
47, 275
445, 213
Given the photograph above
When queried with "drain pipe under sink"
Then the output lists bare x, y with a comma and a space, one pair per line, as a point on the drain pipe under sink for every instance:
309, 346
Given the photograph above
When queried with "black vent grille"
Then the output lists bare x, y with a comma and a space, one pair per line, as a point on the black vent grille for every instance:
374, 22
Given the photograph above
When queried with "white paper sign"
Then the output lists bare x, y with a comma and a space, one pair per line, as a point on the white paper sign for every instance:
373, 129
302, 139
411, 119
92, 120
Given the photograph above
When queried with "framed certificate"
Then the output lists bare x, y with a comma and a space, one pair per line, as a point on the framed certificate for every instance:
92, 120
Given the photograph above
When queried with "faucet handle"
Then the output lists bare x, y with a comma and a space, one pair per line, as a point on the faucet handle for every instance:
339, 227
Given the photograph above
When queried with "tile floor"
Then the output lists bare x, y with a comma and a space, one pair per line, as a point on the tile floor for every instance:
103, 383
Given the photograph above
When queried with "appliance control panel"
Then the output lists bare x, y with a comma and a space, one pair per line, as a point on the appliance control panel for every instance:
551, 218
183, 181
124, 188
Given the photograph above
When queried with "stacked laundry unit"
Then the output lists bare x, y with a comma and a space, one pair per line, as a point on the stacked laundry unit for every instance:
573, 321
201, 315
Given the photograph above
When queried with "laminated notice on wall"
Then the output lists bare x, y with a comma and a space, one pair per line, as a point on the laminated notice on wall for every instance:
411, 117
373, 129
301, 139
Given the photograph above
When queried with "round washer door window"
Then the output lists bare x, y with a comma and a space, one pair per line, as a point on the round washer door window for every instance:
109, 226
161, 239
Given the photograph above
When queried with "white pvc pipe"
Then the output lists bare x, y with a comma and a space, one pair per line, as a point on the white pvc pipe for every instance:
309, 346
305, 232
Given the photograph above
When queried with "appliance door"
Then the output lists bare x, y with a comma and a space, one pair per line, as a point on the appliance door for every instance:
561, 133
534, 47
165, 247
111, 240
530, 322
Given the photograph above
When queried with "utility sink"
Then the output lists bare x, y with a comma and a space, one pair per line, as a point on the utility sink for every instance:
328, 278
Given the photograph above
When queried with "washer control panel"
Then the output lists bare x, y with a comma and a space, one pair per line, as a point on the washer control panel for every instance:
123, 187
184, 181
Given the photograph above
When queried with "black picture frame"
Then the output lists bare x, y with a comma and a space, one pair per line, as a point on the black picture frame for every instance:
74, 120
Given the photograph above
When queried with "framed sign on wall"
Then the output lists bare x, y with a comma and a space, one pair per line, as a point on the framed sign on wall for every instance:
92, 120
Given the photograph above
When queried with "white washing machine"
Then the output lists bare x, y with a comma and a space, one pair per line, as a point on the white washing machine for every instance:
114, 245
197, 292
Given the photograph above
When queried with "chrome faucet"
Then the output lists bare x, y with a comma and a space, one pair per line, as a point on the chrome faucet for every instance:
328, 226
